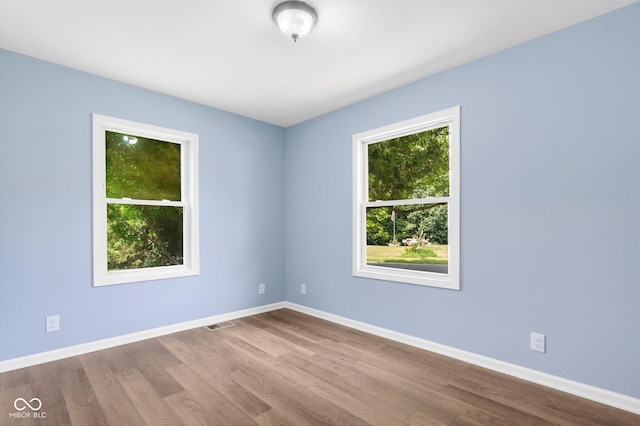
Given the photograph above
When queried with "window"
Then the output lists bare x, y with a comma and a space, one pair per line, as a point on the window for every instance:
406, 180
145, 202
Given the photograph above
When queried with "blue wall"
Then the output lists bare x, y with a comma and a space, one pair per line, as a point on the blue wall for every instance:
45, 211
550, 158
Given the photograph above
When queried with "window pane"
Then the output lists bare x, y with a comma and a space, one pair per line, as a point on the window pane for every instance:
409, 237
143, 236
412, 166
142, 168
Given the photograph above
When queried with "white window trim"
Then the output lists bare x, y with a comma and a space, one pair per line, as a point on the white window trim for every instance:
189, 202
449, 117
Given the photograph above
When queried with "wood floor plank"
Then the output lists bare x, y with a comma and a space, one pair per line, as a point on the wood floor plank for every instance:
414, 395
80, 400
483, 419
272, 418
417, 368
518, 394
323, 384
297, 405
590, 413
152, 359
344, 373
46, 385
274, 321
286, 368
292, 367
14, 379
494, 409
367, 388
44, 380
7, 398
203, 350
351, 382
420, 419
412, 381
221, 410
311, 326
118, 359
290, 398
215, 368
191, 412
116, 405
285, 342
149, 404
265, 341
342, 384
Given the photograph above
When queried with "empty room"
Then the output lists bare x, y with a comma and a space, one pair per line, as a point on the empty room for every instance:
418, 212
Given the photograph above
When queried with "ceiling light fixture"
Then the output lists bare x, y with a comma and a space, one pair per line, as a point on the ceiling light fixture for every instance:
295, 18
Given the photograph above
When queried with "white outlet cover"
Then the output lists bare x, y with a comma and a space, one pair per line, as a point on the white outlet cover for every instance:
538, 342
52, 323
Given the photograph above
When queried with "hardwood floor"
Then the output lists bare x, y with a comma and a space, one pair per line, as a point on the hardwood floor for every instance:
285, 368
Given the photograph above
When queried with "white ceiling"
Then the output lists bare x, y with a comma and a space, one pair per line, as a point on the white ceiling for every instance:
229, 54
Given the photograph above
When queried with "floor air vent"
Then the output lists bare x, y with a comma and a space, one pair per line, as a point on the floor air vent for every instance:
219, 325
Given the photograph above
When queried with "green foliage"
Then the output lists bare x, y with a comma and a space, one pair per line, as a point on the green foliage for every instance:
419, 250
394, 254
380, 226
410, 166
428, 220
146, 170
432, 223
143, 236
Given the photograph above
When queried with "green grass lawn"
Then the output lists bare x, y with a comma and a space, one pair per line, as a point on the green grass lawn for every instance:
389, 254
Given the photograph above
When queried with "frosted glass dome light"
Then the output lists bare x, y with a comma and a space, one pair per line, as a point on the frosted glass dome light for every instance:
295, 18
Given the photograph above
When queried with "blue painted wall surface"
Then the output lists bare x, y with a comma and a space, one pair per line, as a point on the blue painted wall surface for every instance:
550, 157
45, 211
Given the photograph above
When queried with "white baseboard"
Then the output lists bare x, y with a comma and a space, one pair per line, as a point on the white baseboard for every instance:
603, 396
593, 393
41, 358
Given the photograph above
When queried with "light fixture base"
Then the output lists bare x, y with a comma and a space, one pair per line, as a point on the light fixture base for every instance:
295, 18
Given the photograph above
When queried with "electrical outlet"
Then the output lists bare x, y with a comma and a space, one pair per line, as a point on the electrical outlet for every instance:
52, 323
538, 342
303, 289
262, 287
